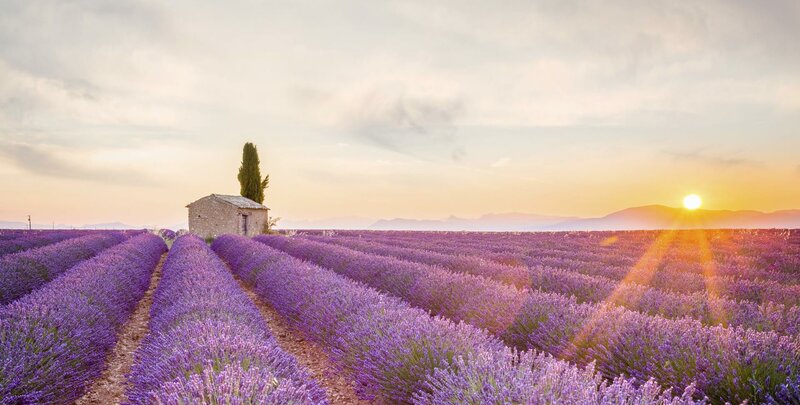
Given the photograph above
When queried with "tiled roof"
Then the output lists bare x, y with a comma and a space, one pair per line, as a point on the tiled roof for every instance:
239, 201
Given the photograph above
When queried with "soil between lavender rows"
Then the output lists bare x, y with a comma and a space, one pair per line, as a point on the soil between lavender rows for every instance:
111, 386
309, 354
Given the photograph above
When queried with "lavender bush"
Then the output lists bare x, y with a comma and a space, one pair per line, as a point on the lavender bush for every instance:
34, 239
167, 234
8, 234
535, 378
514, 275
734, 277
704, 307
731, 364
759, 254
404, 355
53, 342
208, 342
21, 273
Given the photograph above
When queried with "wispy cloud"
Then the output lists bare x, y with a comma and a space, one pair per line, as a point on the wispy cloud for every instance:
714, 159
39, 161
407, 124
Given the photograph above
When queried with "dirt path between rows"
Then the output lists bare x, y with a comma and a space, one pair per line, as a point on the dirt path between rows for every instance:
309, 354
111, 386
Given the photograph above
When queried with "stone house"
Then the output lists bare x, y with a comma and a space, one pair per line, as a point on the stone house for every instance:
218, 214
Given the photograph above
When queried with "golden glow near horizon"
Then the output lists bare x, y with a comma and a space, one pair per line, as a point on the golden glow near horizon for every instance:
353, 129
692, 202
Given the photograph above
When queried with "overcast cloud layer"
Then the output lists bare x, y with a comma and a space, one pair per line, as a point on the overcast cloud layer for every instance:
555, 107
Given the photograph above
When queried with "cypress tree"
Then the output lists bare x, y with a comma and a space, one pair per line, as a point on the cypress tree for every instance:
250, 175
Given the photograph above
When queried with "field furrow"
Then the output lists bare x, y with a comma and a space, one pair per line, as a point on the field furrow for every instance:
111, 386
337, 381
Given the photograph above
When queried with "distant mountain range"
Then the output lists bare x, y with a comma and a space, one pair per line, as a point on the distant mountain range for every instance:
646, 217
662, 217
489, 222
328, 223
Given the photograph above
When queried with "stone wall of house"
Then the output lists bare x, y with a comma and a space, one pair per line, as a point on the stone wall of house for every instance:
256, 221
211, 217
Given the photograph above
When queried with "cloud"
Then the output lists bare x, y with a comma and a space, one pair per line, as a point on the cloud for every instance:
112, 78
36, 160
37, 37
700, 156
414, 125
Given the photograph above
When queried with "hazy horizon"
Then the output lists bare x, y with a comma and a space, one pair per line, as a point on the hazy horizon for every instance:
127, 111
629, 218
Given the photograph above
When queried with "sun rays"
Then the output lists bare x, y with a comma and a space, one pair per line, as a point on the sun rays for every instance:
655, 258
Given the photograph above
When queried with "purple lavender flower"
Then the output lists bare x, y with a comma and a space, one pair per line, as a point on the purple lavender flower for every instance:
208, 342
17, 242
21, 273
167, 234
403, 354
705, 307
53, 342
677, 353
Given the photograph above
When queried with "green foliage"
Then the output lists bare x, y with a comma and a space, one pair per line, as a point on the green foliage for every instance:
265, 182
269, 226
273, 222
250, 175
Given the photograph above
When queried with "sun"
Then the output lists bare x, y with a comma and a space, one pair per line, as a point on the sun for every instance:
692, 202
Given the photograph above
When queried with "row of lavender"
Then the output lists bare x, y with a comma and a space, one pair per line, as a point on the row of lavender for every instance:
404, 355
208, 343
757, 250
646, 274
766, 254
53, 342
774, 257
6, 234
725, 363
759, 255
706, 308
33, 239
686, 249
9, 234
23, 272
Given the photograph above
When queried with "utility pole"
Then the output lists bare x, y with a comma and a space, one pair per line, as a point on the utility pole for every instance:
29, 223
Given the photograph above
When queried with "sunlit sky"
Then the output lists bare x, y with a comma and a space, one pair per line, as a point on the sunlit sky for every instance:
127, 110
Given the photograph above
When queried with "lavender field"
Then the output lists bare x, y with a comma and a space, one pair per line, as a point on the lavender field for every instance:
400, 202
636, 317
